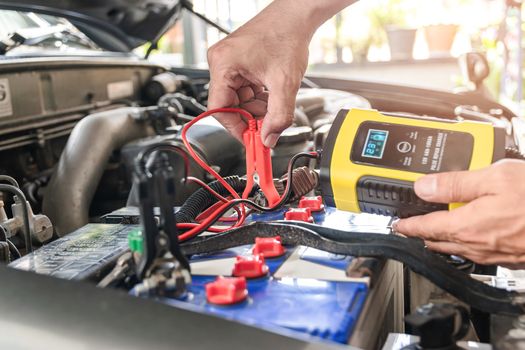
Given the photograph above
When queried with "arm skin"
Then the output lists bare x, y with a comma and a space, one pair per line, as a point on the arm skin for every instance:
259, 67
489, 229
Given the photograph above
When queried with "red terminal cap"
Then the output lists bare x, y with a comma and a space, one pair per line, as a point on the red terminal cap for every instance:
314, 203
299, 214
250, 266
226, 290
270, 247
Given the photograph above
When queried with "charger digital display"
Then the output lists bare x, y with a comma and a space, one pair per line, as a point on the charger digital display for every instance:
375, 143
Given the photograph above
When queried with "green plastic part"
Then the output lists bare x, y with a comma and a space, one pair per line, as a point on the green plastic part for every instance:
136, 241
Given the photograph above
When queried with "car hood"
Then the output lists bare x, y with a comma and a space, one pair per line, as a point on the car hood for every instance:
117, 25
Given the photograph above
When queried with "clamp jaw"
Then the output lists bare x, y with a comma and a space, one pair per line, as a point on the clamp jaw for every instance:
258, 163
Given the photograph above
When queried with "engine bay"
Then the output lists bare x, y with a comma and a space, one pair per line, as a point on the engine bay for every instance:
105, 161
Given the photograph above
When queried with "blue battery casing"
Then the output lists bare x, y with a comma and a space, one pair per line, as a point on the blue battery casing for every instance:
315, 307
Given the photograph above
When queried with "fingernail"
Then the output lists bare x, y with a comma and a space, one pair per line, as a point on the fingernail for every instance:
426, 186
271, 140
394, 224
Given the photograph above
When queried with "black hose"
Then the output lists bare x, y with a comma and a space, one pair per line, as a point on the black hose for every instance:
202, 199
25, 217
9, 179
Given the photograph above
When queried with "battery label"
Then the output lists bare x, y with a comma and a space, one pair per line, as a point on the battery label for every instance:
415, 149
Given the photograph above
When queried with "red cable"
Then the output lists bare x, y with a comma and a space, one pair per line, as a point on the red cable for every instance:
196, 157
203, 164
207, 188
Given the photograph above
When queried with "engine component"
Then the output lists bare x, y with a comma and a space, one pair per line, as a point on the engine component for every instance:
182, 103
293, 140
370, 160
40, 225
228, 159
82, 163
435, 324
165, 83
321, 105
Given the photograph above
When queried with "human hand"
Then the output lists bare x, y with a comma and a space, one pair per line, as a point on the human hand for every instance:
489, 229
259, 67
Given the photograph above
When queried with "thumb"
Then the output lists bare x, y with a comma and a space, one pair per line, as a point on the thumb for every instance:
280, 110
456, 186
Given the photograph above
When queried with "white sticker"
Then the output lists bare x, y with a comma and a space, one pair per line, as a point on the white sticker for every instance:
120, 89
6, 106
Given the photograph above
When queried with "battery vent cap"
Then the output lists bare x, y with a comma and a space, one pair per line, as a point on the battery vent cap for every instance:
314, 203
226, 290
299, 214
269, 247
250, 266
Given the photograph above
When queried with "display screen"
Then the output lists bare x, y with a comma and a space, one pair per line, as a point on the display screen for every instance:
375, 143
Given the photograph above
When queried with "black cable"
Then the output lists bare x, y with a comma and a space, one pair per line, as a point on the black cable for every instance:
25, 217
9, 179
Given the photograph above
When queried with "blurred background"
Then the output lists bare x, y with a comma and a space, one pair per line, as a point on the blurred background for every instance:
410, 42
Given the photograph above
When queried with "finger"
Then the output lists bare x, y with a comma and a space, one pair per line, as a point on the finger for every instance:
451, 248
262, 95
257, 108
245, 94
457, 186
281, 104
436, 226
233, 122
223, 93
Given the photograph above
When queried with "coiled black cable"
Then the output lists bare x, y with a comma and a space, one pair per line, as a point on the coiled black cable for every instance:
202, 199
284, 199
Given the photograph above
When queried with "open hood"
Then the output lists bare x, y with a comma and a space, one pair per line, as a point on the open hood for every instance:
116, 25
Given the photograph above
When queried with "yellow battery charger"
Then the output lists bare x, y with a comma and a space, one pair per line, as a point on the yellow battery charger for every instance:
370, 160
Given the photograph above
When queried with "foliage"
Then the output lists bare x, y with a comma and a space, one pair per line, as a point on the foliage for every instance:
387, 14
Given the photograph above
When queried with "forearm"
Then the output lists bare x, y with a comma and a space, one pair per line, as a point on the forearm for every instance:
301, 16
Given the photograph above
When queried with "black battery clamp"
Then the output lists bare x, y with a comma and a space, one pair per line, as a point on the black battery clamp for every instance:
370, 159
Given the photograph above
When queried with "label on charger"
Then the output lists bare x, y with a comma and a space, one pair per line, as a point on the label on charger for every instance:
410, 148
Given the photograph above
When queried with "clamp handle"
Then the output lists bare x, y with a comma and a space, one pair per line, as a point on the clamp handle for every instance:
258, 159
